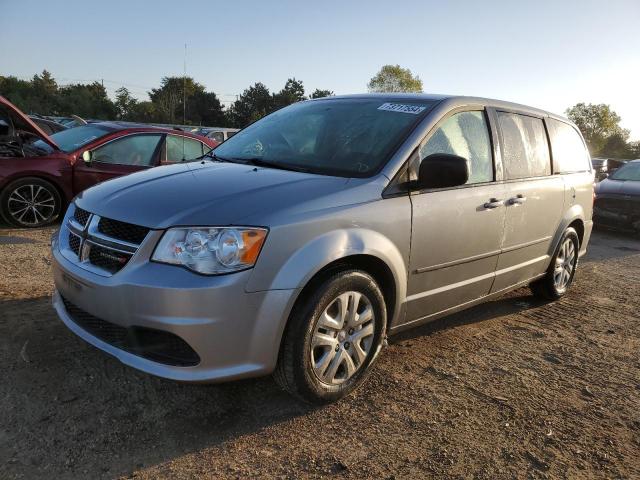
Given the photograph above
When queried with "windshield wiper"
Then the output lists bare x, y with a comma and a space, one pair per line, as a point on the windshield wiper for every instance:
259, 162
212, 157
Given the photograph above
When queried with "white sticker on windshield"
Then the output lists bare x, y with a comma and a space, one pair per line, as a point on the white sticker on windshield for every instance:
399, 107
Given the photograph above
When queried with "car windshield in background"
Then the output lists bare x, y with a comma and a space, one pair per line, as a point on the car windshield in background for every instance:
74, 138
631, 171
345, 137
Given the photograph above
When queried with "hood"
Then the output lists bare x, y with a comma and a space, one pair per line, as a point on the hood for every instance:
22, 122
618, 187
208, 193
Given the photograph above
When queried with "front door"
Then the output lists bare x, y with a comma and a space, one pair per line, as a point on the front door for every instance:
534, 199
456, 232
116, 158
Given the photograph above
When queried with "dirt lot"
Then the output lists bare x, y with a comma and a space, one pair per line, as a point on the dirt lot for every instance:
513, 388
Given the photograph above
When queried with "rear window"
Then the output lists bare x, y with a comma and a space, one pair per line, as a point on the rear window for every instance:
568, 149
525, 147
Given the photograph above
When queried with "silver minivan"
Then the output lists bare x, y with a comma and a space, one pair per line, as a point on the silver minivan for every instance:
298, 245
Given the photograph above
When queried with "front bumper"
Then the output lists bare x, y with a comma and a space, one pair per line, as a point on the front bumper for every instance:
236, 334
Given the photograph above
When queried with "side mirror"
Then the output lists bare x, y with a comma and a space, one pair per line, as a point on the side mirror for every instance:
86, 156
442, 170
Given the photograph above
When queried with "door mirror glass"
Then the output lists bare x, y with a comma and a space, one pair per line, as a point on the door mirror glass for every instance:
442, 170
86, 156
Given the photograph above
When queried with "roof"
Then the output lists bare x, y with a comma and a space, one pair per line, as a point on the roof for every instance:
454, 100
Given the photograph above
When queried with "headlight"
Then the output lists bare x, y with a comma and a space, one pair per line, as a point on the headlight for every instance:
212, 250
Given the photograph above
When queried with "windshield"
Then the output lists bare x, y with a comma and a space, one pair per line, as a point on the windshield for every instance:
74, 138
631, 171
345, 137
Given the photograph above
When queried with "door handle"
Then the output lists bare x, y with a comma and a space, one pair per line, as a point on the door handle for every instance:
517, 200
493, 203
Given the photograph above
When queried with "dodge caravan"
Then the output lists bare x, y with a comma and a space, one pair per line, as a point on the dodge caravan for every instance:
298, 245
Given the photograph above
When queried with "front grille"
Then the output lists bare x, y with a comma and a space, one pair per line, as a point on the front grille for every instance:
106, 258
99, 242
122, 230
156, 345
74, 243
81, 216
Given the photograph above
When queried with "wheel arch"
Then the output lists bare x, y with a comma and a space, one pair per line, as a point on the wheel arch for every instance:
367, 263
574, 217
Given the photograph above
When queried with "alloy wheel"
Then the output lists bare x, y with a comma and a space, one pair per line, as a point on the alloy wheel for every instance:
565, 264
31, 204
342, 338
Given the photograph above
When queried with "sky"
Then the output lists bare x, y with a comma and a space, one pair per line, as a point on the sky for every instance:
547, 54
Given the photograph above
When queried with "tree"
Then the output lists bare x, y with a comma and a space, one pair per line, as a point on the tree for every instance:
86, 100
292, 92
254, 103
393, 78
597, 123
125, 104
317, 93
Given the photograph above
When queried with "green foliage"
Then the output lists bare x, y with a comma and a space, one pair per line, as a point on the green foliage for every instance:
292, 92
125, 104
600, 127
254, 103
317, 93
394, 79
202, 106
43, 95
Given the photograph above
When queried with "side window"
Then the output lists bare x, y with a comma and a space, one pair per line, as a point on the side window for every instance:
567, 148
464, 134
182, 149
525, 146
131, 150
217, 136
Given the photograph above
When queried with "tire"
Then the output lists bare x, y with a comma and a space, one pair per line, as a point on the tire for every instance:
30, 202
313, 339
562, 268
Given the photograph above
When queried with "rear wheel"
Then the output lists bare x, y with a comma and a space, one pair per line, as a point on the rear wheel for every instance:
562, 269
332, 338
30, 202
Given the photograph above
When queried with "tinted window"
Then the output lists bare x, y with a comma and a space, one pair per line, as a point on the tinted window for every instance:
131, 150
217, 136
569, 152
464, 134
182, 149
348, 137
525, 147
74, 138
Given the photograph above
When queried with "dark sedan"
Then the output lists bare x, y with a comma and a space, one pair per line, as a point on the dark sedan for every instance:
617, 202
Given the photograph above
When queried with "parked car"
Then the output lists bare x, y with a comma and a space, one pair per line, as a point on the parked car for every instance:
605, 166
319, 230
617, 201
221, 134
47, 126
40, 173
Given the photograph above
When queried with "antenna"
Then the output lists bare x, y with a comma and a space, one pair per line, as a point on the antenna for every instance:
184, 98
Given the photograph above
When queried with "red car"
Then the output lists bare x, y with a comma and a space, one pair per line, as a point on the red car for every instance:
40, 174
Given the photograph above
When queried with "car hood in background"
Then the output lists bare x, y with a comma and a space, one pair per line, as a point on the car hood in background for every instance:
618, 187
200, 193
22, 122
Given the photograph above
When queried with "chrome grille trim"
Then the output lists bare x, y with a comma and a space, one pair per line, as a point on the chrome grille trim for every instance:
89, 235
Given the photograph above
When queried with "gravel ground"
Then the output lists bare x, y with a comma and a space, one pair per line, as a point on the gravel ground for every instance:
512, 388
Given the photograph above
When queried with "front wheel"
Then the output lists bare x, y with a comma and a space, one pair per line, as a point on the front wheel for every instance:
332, 338
30, 202
562, 269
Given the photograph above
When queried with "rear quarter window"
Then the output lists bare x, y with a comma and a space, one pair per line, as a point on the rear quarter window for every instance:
567, 148
525, 146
